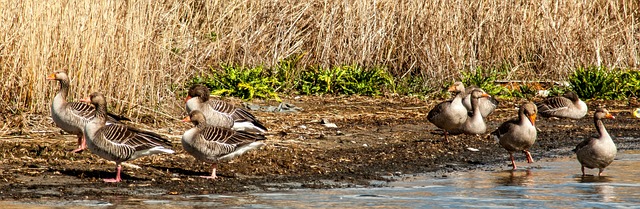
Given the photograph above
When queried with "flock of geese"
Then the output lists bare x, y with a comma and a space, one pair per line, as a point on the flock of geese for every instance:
467, 111
222, 131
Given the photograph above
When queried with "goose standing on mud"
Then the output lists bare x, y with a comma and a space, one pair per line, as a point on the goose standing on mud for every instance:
520, 133
220, 113
597, 152
486, 104
475, 122
450, 115
565, 106
117, 142
214, 144
73, 116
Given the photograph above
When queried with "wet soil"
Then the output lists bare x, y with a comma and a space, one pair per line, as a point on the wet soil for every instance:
375, 138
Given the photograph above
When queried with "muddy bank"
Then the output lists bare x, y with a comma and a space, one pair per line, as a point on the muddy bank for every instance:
375, 138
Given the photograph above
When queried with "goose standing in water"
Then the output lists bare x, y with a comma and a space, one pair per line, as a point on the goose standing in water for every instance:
450, 115
487, 104
597, 152
117, 142
565, 106
214, 144
475, 122
73, 116
220, 113
520, 133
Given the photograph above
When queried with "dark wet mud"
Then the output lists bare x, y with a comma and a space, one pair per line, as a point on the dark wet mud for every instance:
375, 138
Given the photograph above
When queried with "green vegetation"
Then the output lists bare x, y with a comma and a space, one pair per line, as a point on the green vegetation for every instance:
285, 77
485, 79
602, 83
246, 83
350, 79
258, 82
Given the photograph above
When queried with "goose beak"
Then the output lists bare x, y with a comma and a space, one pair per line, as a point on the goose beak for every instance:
485, 95
86, 99
187, 119
187, 99
51, 76
532, 118
452, 88
610, 116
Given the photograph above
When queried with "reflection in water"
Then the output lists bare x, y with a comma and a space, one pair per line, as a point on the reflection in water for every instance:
552, 184
593, 179
515, 178
596, 188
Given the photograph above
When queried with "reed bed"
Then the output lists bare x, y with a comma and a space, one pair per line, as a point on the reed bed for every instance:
140, 53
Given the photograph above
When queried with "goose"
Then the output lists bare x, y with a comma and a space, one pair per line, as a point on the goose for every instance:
72, 116
597, 152
214, 144
220, 113
450, 115
565, 106
475, 122
118, 142
487, 104
520, 133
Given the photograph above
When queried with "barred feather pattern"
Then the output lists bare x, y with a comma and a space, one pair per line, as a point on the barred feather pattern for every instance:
210, 143
73, 116
217, 112
118, 142
566, 106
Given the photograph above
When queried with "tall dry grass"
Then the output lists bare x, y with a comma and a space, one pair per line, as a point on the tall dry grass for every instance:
140, 52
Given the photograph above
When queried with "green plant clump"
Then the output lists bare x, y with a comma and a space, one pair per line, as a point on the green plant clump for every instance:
350, 79
245, 83
601, 83
485, 79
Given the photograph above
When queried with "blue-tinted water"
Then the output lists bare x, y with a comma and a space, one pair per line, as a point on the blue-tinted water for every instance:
555, 183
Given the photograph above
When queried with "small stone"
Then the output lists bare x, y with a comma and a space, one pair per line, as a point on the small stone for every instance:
472, 149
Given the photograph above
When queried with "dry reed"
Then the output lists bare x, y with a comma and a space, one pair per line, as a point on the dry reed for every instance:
139, 53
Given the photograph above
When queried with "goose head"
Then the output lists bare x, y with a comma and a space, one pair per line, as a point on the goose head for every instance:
530, 111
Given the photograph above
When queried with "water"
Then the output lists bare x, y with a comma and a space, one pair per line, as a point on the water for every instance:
547, 184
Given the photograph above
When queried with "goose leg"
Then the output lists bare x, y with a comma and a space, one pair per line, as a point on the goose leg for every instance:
446, 133
117, 179
529, 158
583, 171
213, 172
513, 162
600, 171
82, 144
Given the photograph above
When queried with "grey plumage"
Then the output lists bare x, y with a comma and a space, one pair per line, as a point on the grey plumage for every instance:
486, 104
449, 115
568, 105
220, 113
474, 124
73, 116
520, 133
118, 142
597, 152
214, 144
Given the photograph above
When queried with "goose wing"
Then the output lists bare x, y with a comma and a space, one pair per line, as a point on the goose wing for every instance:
228, 136
553, 104
132, 137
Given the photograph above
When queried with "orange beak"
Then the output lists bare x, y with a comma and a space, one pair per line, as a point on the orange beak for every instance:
187, 99
485, 95
52, 76
86, 99
610, 116
532, 118
187, 119
452, 88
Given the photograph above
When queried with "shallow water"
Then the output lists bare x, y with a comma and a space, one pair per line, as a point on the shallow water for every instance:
554, 183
